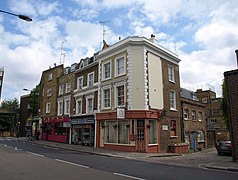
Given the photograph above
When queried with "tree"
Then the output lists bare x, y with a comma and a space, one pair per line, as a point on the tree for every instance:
224, 105
33, 101
8, 121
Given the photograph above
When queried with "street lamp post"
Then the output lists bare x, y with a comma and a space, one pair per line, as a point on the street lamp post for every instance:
23, 17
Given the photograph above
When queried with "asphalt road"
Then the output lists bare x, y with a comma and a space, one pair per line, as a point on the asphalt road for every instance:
26, 160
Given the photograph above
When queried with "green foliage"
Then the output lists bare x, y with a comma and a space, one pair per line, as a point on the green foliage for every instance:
225, 105
10, 104
33, 101
7, 121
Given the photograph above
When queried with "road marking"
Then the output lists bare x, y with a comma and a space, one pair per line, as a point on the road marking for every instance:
67, 162
35, 154
132, 177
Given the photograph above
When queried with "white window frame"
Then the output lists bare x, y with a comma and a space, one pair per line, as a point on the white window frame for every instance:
77, 106
186, 114
103, 97
50, 77
67, 87
67, 106
91, 80
116, 66
199, 116
61, 89
116, 94
172, 100
60, 107
80, 85
104, 69
49, 92
87, 104
200, 136
171, 73
48, 107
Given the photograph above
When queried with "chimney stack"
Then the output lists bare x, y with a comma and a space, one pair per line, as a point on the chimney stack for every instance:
152, 38
236, 51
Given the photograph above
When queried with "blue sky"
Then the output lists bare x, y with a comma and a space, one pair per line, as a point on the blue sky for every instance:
202, 33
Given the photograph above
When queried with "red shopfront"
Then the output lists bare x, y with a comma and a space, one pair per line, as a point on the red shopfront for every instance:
56, 129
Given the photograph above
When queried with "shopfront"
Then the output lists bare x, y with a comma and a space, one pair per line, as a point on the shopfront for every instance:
83, 131
55, 129
137, 131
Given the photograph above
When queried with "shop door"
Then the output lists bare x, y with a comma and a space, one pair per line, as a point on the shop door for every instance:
140, 136
102, 135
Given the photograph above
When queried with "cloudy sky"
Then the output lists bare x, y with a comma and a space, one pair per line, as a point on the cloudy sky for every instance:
202, 33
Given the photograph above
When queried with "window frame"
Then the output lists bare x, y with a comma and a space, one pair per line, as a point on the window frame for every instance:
61, 89
172, 107
48, 107
186, 114
104, 70
68, 87
116, 66
80, 85
77, 106
49, 92
193, 115
60, 107
50, 76
90, 80
87, 104
67, 106
116, 95
171, 75
103, 98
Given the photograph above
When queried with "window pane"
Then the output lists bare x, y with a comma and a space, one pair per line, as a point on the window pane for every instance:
107, 101
107, 71
120, 95
153, 133
123, 132
120, 66
90, 105
110, 131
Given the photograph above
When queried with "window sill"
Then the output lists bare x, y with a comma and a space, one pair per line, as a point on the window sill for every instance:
171, 109
173, 137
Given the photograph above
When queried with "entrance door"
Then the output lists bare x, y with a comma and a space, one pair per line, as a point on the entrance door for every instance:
140, 136
193, 141
102, 127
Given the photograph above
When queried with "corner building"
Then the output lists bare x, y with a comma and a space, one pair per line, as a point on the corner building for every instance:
138, 97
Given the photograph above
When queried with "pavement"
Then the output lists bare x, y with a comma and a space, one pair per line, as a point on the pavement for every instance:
207, 158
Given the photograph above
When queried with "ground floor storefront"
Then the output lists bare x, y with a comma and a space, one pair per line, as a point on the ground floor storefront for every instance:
132, 131
83, 130
56, 129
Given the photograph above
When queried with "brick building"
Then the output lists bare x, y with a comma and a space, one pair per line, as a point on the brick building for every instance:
85, 102
215, 126
193, 124
231, 83
139, 97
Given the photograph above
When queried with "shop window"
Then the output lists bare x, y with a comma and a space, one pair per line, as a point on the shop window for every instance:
59, 129
110, 131
173, 128
152, 132
123, 131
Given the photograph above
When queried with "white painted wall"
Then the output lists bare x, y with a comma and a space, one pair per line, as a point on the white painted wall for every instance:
156, 99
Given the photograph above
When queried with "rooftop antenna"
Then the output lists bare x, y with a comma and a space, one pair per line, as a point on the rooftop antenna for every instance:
103, 29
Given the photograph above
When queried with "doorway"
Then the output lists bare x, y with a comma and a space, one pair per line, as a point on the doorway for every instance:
140, 135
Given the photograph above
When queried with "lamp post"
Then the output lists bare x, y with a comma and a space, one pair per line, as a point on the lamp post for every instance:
23, 17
